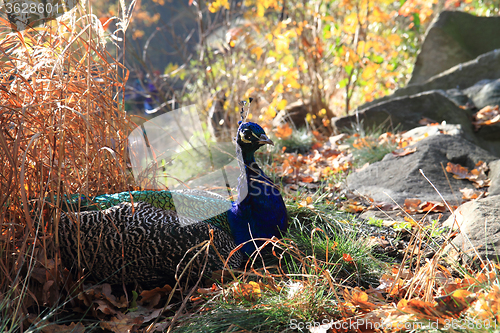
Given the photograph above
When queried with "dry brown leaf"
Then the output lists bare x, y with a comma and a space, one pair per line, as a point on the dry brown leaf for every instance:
488, 115
352, 207
470, 194
432, 206
458, 171
152, 297
306, 179
360, 299
427, 121
412, 204
105, 307
103, 291
71, 328
455, 303
477, 175
381, 205
127, 322
404, 151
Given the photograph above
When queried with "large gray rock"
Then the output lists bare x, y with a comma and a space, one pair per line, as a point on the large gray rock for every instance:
489, 94
453, 38
479, 223
464, 75
406, 112
400, 179
494, 175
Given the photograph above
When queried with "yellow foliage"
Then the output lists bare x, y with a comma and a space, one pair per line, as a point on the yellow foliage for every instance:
361, 47
279, 89
282, 104
394, 39
217, 5
257, 51
282, 41
261, 10
350, 23
250, 92
378, 15
370, 70
291, 81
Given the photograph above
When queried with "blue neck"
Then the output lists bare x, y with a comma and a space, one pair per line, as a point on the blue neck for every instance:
259, 208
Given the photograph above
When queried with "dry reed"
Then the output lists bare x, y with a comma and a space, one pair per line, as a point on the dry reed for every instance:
63, 131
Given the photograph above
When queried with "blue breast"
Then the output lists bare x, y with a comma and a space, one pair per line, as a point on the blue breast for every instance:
259, 214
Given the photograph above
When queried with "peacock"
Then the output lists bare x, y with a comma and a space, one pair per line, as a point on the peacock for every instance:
141, 236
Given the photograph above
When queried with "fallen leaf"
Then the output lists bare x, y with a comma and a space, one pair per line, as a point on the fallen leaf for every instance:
470, 194
458, 171
412, 204
352, 207
45, 327
347, 257
283, 131
488, 115
152, 297
432, 206
404, 152
306, 179
249, 291
427, 121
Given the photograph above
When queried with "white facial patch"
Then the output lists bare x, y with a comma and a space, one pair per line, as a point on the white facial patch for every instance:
242, 136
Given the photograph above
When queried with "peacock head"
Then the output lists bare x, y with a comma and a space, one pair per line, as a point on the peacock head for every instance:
251, 137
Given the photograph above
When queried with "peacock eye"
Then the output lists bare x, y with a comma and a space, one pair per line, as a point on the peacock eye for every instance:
248, 135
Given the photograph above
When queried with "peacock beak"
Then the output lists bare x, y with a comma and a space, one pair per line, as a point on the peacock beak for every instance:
265, 140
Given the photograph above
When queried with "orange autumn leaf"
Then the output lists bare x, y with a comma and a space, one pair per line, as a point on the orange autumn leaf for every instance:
427, 121
404, 152
411, 221
360, 298
248, 291
352, 207
316, 145
433, 206
347, 257
419, 307
152, 297
283, 131
105, 20
412, 204
458, 171
470, 194
488, 115
307, 179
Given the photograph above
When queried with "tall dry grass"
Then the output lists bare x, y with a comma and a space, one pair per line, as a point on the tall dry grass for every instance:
63, 131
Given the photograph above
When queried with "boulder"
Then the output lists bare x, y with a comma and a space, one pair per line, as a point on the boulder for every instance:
404, 113
494, 175
488, 94
485, 67
399, 178
453, 38
479, 232
419, 133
